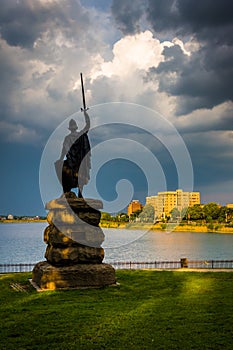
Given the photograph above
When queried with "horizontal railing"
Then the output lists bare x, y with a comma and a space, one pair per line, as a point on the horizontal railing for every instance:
182, 263
146, 265
211, 264
5, 268
133, 265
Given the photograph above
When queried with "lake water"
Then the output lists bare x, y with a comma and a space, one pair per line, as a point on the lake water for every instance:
23, 243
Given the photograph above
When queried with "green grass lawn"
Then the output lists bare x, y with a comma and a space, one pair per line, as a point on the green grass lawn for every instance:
149, 310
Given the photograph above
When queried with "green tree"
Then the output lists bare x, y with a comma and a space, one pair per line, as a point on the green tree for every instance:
135, 215
147, 214
175, 214
223, 214
229, 214
195, 212
211, 211
183, 213
123, 217
106, 216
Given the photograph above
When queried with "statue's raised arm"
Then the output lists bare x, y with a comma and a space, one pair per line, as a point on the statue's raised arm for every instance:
87, 121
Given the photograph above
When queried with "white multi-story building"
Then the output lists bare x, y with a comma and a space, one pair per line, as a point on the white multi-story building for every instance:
166, 201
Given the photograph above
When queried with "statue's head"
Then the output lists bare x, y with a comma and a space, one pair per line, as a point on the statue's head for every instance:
72, 125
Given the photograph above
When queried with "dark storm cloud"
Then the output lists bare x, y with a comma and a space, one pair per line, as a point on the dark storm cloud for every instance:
202, 80
211, 20
213, 161
206, 19
23, 22
127, 14
205, 78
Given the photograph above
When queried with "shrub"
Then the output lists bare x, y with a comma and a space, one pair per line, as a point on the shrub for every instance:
163, 226
210, 226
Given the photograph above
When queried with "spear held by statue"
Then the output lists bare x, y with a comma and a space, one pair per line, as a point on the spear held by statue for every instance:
83, 94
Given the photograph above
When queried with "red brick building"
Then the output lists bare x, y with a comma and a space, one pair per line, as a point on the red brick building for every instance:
134, 206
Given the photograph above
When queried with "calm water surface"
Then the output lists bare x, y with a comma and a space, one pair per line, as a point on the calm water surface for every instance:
23, 243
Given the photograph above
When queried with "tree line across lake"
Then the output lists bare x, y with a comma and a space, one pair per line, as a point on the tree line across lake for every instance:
205, 214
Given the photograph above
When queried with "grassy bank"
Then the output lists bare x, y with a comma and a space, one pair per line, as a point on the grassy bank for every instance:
173, 227
15, 221
149, 310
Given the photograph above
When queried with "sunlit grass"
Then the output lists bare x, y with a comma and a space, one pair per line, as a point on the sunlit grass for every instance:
149, 310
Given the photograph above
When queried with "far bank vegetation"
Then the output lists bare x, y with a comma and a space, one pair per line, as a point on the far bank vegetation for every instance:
210, 217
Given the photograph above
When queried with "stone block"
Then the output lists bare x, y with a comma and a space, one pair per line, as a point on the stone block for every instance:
74, 202
73, 255
68, 216
49, 277
69, 235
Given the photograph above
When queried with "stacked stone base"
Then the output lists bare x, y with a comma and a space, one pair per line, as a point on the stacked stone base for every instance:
74, 254
49, 277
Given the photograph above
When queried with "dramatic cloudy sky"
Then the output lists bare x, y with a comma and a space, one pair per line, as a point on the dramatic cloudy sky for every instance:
171, 56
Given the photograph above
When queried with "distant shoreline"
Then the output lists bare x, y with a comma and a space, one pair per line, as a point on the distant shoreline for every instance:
14, 221
140, 226
170, 227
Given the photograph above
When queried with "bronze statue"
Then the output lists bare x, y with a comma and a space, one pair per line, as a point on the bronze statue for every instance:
74, 254
74, 171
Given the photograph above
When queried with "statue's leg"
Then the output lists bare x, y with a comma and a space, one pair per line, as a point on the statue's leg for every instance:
80, 189
67, 177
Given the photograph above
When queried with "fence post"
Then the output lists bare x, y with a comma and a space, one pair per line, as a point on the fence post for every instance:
184, 263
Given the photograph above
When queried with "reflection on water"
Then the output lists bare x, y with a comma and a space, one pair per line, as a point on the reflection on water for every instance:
23, 243
159, 246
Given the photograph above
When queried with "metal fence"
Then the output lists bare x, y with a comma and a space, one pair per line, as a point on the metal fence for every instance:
210, 264
5, 268
182, 263
133, 265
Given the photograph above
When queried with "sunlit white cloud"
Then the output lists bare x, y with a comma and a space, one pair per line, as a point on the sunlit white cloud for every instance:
216, 118
131, 53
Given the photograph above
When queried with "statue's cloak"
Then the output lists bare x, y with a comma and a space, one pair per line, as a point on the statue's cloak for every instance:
75, 170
